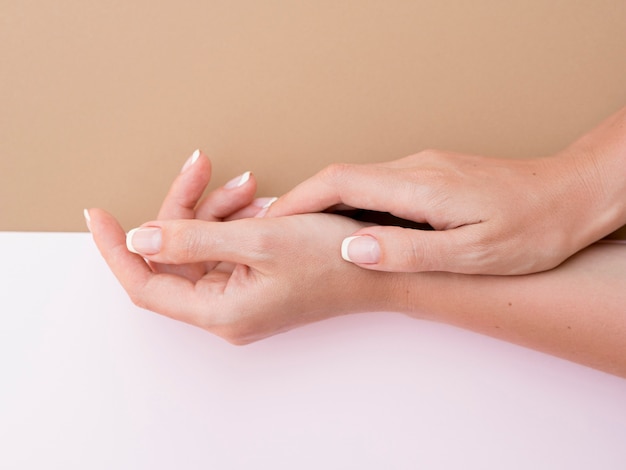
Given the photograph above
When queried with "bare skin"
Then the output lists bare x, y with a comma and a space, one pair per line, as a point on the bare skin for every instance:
248, 278
491, 215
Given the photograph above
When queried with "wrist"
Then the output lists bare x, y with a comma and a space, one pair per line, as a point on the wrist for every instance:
413, 294
377, 291
603, 151
596, 177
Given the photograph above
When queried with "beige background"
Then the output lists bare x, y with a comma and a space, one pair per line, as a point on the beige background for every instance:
102, 102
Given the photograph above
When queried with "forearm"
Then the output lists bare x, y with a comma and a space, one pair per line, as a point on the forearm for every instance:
576, 311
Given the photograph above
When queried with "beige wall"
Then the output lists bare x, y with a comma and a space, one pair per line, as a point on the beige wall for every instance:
101, 102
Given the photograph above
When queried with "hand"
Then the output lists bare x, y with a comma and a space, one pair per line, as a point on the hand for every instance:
284, 273
234, 200
491, 216
240, 279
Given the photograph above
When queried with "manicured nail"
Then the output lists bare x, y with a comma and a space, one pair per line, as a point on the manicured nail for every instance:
361, 249
270, 202
87, 218
266, 207
239, 181
144, 240
191, 160
263, 202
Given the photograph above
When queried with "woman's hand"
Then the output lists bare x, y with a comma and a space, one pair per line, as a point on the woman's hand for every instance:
281, 273
491, 216
240, 278
234, 200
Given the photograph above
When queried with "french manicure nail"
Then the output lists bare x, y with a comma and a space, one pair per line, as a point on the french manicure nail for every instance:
266, 207
270, 202
361, 249
87, 218
238, 181
144, 240
191, 160
261, 202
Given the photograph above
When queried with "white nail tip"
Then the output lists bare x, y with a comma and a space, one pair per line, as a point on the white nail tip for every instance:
344, 247
244, 179
238, 181
87, 218
129, 241
191, 160
194, 156
270, 202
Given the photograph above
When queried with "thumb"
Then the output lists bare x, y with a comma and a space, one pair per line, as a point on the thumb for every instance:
398, 249
193, 241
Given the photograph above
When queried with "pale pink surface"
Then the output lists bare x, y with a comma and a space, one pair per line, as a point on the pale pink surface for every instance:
90, 381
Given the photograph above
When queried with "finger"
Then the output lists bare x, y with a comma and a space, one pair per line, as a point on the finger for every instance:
228, 199
180, 203
167, 294
193, 241
370, 187
408, 250
187, 189
257, 206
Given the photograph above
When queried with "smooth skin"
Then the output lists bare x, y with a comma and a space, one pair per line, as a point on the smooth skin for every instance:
244, 279
248, 278
491, 215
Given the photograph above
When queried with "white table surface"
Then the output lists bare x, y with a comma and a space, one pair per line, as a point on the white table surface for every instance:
88, 381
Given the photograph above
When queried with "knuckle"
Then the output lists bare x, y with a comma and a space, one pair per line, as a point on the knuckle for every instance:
262, 243
235, 325
430, 156
412, 256
475, 252
430, 153
184, 201
416, 256
426, 179
137, 299
482, 258
335, 172
491, 255
235, 334
237, 340
183, 244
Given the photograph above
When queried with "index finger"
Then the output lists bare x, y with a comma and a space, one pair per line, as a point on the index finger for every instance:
187, 189
373, 187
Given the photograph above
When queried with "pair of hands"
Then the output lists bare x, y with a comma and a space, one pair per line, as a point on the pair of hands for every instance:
211, 263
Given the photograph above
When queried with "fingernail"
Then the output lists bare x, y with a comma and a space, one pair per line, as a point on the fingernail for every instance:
239, 181
361, 249
266, 207
191, 160
144, 240
263, 201
87, 218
